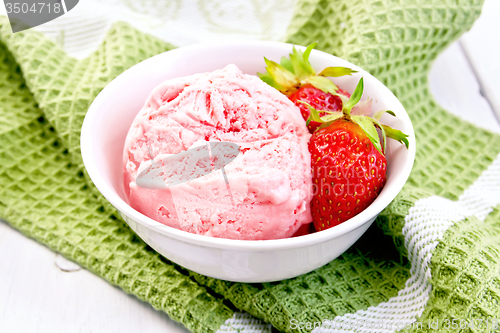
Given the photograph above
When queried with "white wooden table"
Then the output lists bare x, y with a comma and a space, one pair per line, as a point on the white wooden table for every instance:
37, 296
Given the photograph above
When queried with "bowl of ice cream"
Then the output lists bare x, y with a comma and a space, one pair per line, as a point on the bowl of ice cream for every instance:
260, 193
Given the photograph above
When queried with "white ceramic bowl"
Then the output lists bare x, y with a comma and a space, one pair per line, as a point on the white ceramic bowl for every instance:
112, 112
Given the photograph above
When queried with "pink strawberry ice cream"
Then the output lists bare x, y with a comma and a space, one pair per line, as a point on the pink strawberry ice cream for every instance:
266, 195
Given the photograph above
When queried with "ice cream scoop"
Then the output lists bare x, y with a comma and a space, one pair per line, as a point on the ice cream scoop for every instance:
220, 154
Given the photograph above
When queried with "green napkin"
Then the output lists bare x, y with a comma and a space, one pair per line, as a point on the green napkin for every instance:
45, 193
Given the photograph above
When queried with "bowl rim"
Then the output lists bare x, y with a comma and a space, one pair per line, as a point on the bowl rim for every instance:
231, 244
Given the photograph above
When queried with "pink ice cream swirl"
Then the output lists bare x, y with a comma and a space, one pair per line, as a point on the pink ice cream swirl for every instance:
269, 181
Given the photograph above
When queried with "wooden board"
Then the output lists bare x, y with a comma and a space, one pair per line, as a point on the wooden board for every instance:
482, 48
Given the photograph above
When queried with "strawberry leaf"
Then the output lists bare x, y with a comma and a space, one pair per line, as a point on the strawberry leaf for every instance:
305, 57
378, 115
336, 71
332, 116
396, 135
302, 69
368, 127
295, 61
285, 62
355, 97
322, 83
313, 115
384, 136
270, 81
281, 75
324, 125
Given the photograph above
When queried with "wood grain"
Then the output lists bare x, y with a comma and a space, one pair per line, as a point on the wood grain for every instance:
482, 48
37, 296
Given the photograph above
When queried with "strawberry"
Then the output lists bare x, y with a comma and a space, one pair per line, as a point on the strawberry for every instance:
348, 161
296, 78
318, 99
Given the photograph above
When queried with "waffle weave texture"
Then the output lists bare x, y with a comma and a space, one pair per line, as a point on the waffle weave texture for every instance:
44, 192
